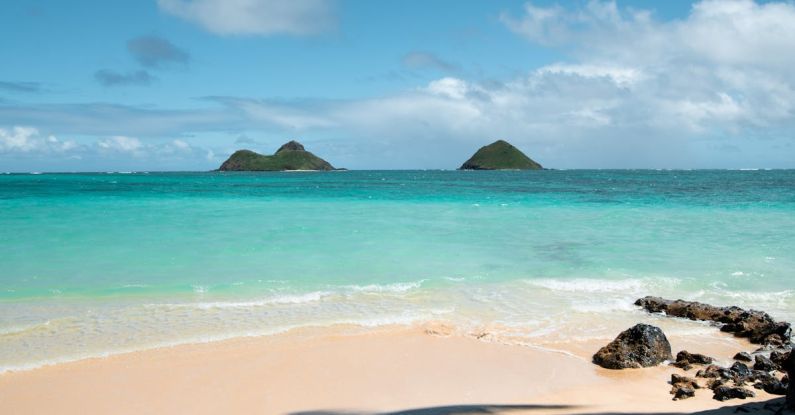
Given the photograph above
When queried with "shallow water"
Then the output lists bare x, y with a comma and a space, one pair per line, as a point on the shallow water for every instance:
101, 263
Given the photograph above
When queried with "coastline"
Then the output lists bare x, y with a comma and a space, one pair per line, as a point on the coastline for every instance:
345, 370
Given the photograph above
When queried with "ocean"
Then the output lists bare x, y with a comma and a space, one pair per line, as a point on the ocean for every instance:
103, 263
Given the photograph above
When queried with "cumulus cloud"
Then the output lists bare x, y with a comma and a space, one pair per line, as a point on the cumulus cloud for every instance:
427, 60
107, 77
28, 139
25, 148
255, 17
121, 143
725, 63
623, 76
135, 147
544, 25
724, 32
156, 52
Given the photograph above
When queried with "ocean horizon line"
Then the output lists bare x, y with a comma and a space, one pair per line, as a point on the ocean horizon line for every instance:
640, 169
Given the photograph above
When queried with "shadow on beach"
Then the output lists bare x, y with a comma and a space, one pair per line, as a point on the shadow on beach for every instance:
450, 410
773, 406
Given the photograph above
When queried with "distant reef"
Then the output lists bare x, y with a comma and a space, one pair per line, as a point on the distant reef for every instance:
290, 156
500, 155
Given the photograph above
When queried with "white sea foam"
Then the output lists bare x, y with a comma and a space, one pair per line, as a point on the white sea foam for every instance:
402, 319
399, 287
747, 296
274, 300
601, 285
617, 304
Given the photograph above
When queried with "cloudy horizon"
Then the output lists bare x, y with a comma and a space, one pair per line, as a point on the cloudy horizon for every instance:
181, 84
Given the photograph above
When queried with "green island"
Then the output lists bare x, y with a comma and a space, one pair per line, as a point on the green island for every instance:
500, 155
290, 156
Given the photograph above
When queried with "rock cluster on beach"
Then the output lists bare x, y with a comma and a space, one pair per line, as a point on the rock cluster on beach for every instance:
758, 369
757, 326
768, 368
640, 346
789, 366
290, 156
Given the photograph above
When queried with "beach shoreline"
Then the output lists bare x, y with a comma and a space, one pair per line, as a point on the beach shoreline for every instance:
345, 370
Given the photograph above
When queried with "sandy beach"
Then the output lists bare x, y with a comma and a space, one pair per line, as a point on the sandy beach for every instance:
344, 370
449, 207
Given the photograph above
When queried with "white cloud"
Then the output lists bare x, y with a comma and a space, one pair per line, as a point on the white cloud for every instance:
725, 66
255, 17
622, 76
449, 87
545, 25
28, 140
24, 148
133, 146
121, 143
180, 144
720, 32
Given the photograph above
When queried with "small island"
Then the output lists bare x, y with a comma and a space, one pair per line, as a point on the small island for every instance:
290, 156
500, 155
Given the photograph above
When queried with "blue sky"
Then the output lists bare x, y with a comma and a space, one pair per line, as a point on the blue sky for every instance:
180, 84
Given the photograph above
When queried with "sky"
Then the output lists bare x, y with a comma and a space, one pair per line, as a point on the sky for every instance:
147, 85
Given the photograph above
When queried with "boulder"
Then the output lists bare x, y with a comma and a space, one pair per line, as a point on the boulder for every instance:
715, 383
757, 326
764, 364
683, 392
640, 346
772, 386
779, 357
684, 380
743, 357
715, 372
724, 393
685, 360
740, 370
789, 366
683, 387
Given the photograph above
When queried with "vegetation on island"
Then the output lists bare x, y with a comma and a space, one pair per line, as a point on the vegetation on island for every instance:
290, 156
500, 155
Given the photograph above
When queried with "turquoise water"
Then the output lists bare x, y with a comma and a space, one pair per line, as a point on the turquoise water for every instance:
92, 264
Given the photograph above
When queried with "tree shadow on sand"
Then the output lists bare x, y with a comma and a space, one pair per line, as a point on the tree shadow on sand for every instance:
449, 410
772, 407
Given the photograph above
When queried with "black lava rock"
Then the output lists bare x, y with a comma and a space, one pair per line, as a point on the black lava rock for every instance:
640, 346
